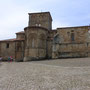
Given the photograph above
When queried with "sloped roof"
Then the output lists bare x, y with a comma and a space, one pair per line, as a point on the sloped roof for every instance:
21, 32
73, 27
12, 40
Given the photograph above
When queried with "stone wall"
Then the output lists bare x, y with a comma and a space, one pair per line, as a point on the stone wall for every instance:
80, 34
19, 50
64, 45
50, 42
7, 49
0, 48
42, 19
73, 50
35, 43
88, 50
20, 35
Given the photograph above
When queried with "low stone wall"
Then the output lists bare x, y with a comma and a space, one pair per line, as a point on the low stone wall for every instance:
71, 50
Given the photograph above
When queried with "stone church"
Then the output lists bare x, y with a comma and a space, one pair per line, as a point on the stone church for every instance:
40, 41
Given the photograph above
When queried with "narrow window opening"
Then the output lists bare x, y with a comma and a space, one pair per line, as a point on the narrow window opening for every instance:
33, 43
7, 45
72, 37
87, 44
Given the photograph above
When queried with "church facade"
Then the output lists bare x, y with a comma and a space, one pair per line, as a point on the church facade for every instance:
40, 41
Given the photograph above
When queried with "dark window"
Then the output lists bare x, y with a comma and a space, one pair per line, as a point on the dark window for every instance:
87, 44
7, 45
72, 30
68, 33
72, 37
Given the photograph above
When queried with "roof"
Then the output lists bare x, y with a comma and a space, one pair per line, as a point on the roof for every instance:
36, 27
19, 39
22, 32
73, 27
12, 40
41, 13
54, 30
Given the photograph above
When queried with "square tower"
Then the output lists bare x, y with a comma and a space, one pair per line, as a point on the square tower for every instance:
42, 19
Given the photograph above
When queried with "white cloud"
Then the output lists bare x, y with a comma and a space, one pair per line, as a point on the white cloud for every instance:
14, 17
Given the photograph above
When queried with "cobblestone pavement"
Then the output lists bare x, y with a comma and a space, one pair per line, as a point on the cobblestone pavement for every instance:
62, 74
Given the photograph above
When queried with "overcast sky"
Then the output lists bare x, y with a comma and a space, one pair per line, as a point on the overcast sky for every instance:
14, 14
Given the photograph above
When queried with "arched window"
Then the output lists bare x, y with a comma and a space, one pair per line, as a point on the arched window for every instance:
72, 37
32, 40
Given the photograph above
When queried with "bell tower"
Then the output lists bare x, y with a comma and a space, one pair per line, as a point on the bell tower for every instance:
42, 19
